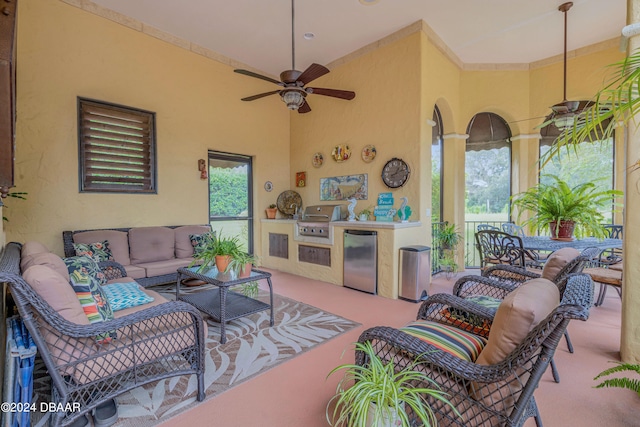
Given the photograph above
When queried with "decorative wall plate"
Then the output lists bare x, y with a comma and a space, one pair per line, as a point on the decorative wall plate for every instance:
288, 201
268, 186
369, 153
341, 153
317, 160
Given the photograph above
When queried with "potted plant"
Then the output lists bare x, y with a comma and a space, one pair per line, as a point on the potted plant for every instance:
565, 209
241, 262
380, 396
271, 211
365, 213
215, 250
448, 237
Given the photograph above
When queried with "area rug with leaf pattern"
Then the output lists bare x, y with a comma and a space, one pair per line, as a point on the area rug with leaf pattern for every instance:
252, 347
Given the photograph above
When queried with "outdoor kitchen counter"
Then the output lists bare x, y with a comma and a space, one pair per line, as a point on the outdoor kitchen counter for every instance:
391, 237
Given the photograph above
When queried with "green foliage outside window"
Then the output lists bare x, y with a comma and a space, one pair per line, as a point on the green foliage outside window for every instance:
229, 192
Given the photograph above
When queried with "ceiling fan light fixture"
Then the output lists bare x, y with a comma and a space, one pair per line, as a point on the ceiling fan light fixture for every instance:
293, 99
565, 121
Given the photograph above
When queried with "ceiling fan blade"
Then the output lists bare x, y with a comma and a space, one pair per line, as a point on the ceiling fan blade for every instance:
312, 72
304, 108
260, 95
258, 76
342, 94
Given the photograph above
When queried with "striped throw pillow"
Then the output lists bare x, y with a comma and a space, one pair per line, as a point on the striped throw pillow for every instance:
457, 342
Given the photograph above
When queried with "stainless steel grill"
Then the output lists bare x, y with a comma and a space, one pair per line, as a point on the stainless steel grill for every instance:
315, 220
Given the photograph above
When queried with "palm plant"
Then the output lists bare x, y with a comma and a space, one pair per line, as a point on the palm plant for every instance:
624, 382
617, 102
557, 202
379, 389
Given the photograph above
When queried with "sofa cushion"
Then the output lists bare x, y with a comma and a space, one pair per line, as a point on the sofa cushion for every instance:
454, 341
557, 261
99, 251
48, 259
517, 315
135, 272
159, 268
55, 290
86, 280
32, 247
184, 248
149, 244
123, 295
118, 242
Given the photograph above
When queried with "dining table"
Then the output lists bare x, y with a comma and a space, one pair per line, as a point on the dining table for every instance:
547, 244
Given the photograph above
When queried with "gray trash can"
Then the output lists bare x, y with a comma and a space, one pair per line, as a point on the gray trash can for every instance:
415, 272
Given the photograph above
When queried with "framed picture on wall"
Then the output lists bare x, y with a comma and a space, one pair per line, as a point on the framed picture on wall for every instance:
343, 187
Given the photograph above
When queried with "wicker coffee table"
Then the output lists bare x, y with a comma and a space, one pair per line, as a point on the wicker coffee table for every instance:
222, 304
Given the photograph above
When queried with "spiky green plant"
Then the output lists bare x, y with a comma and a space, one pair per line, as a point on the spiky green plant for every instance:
557, 201
379, 384
624, 382
617, 102
16, 195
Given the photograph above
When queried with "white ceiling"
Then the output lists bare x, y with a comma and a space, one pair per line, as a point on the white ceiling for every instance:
258, 32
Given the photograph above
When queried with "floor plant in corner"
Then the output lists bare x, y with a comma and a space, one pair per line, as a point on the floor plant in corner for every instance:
375, 395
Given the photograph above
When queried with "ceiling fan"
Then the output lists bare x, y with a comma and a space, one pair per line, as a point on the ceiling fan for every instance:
294, 92
564, 113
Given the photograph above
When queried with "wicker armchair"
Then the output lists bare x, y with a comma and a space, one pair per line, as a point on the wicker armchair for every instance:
153, 343
498, 394
498, 281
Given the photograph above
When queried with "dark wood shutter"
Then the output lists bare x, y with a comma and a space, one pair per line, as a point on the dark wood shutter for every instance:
117, 148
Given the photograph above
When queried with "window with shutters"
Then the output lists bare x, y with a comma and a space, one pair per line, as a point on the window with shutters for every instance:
116, 148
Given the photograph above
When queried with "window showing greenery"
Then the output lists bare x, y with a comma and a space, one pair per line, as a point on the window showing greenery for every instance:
230, 208
116, 148
436, 167
488, 182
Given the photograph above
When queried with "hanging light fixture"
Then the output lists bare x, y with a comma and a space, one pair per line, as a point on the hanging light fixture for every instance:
294, 98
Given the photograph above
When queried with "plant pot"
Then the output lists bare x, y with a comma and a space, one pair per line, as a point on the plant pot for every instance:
271, 213
389, 418
245, 271
363, 217
222, 262
562, 232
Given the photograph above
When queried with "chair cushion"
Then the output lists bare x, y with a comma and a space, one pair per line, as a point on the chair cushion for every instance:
149, 244
99, 251
184, 248
454, 341
48, 259
118, 242
87, 280
557, 261
123, 295
55, 290
517, 315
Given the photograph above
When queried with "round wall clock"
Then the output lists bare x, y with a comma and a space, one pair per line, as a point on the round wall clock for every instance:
395, 173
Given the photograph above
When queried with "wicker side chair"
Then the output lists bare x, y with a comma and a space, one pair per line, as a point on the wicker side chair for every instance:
499, 394
158, 342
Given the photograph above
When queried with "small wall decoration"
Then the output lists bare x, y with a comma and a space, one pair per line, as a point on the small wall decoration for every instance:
317, 160
268, 186
301, 179
341, 153
344, 187
369, 153
202, 167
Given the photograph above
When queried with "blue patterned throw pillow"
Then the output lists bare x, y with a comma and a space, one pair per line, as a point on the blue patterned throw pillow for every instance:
86, 278
125, 295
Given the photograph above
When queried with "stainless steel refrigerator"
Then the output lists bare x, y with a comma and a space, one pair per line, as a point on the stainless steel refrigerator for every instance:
361, 260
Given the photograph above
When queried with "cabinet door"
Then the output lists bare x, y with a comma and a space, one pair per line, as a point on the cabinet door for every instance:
314, 255
279, 245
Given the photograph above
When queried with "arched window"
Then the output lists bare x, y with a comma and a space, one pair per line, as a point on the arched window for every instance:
488, 169
436, 166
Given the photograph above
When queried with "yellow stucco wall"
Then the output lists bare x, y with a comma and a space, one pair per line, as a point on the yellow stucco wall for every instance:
65, 52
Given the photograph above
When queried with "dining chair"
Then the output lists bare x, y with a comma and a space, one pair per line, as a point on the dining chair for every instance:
605, 271
498, 247
513, 229
483, 227
534, 259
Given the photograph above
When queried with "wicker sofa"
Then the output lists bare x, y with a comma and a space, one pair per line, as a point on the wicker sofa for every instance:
157, 340
150, 255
